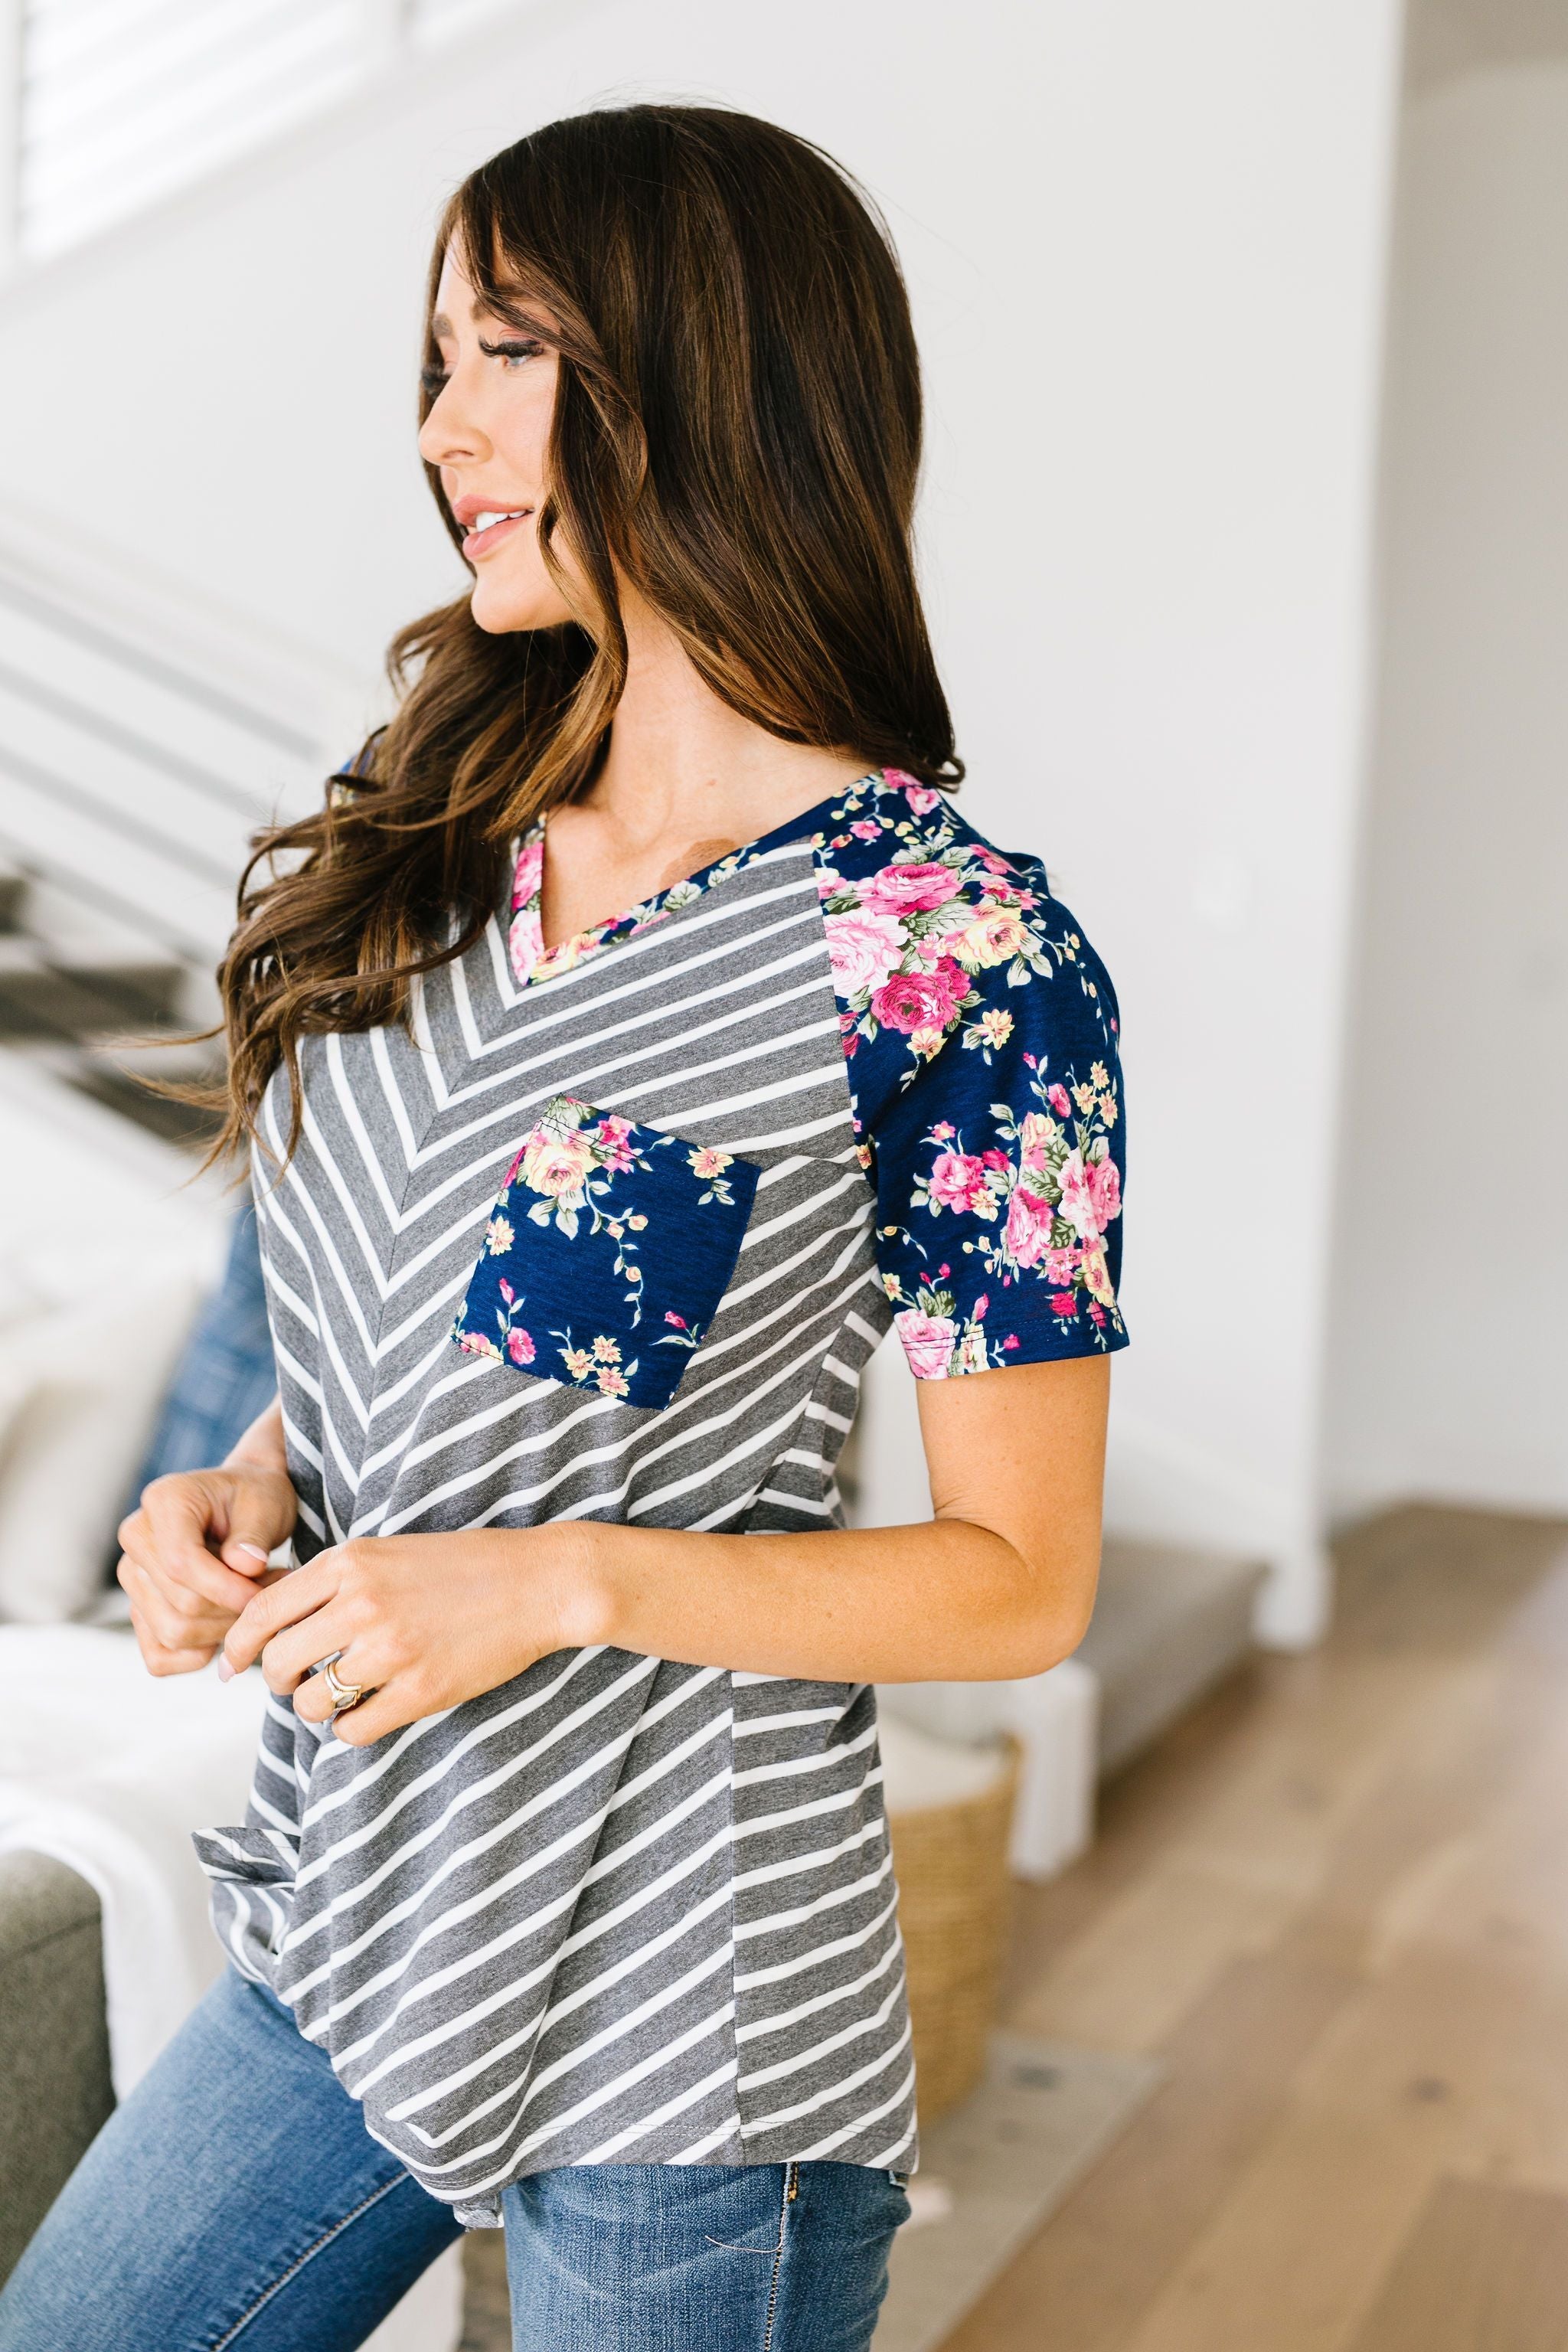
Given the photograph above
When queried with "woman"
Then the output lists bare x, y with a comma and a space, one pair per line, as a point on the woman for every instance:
635, 1032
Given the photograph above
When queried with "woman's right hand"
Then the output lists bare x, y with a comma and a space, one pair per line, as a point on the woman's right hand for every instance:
195, 1553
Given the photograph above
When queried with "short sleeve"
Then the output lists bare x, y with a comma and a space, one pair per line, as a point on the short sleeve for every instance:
986, 1080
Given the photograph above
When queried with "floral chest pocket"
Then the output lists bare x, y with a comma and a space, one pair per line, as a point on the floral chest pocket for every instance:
606, 1255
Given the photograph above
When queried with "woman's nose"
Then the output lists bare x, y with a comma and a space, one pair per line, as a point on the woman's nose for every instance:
448, 438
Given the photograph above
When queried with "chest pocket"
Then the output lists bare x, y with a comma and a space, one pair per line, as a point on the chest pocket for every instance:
606, 1255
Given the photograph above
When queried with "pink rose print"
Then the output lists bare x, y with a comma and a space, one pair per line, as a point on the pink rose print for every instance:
1060, 1265
995, 936
910, 889
1096, 1277
1027, 1233
929, 1341
1033, 1137
1091, 1195
865, 828
1077, 1204
529, 873
525, 944
920, 797
519, 1346
957, 1181
1060, 1101
555, 1164
911, 1000
1064, 1303
678, 1321
863, 948
562, 959
610, 1135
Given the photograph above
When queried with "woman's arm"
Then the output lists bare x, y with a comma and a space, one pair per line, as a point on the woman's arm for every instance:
999, 1584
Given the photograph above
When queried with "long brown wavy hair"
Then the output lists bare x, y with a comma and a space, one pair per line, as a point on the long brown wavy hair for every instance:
736, 432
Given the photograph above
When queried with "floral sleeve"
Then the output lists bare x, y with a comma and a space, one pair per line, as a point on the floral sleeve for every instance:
980, 1032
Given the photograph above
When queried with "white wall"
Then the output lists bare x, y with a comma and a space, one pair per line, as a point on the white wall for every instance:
1145, 244
1449, 1365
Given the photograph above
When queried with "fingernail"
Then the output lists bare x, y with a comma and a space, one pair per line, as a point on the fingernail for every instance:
224, 1670
254, 1549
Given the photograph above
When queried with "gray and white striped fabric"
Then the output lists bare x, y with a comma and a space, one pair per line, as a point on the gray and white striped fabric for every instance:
617, 1910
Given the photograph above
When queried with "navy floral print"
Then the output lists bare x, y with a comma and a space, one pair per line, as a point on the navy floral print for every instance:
981, 1034
606, 1253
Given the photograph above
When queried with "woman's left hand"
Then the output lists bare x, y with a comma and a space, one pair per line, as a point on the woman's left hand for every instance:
422, 1622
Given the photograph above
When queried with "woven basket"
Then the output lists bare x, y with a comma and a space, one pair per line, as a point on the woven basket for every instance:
955, 1909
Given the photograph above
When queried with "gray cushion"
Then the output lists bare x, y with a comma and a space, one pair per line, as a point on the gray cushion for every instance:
55, 2089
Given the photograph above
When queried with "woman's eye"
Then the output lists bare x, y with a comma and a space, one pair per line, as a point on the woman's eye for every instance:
519, 349
432, 382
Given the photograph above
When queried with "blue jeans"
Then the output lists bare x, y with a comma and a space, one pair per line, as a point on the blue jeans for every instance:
236, 2199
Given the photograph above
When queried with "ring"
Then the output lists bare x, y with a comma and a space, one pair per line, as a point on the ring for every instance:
344, 1695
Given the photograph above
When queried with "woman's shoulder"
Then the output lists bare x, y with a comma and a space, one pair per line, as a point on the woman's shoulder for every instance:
938, 939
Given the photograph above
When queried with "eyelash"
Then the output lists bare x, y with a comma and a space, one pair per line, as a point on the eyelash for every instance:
434, 379
518, 348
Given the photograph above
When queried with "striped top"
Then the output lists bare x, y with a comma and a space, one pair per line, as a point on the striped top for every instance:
613, 1238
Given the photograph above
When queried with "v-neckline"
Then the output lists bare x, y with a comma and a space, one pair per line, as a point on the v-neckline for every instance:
533, 963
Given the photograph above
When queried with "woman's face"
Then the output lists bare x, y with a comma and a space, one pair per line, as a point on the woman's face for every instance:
489, 434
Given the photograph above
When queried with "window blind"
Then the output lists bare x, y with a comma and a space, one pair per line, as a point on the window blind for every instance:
124, 100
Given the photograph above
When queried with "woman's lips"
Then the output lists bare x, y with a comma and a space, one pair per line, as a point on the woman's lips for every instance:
480, 542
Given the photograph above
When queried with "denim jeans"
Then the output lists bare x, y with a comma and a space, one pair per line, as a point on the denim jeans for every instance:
235, 2198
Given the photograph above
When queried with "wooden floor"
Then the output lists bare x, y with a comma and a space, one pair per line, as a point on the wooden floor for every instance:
1335, 1903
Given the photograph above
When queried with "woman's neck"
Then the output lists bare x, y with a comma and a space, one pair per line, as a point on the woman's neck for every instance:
682, 767
685, 780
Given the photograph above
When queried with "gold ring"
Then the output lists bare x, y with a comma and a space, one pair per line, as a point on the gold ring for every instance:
344, 1695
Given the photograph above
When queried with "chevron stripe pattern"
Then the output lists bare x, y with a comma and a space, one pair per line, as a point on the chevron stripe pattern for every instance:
617, 1910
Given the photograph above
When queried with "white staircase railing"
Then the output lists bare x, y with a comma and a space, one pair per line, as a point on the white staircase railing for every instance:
141, 744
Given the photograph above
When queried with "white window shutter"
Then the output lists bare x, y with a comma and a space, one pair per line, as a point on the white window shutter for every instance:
122, 100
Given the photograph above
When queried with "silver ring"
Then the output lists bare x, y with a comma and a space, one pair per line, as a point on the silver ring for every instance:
344, 1695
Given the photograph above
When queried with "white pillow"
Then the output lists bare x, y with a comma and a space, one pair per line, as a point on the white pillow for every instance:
80, 1391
